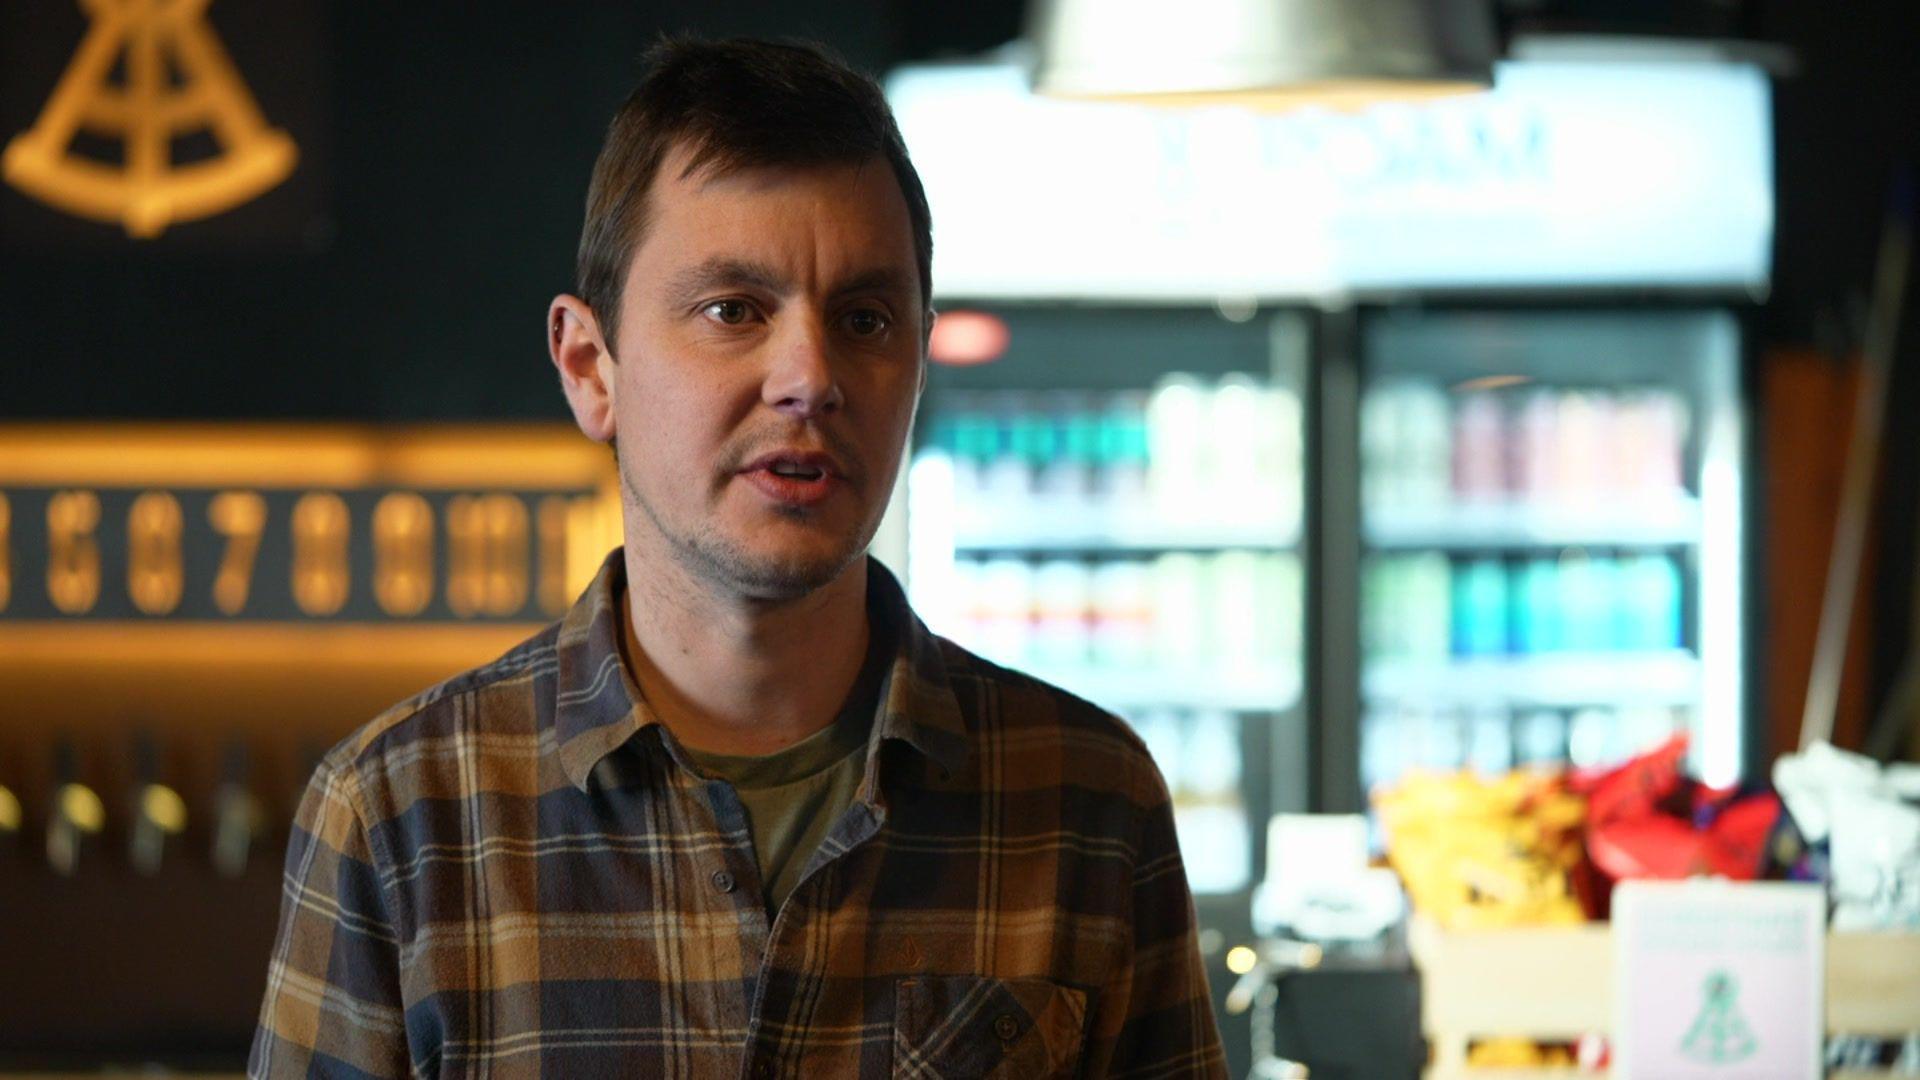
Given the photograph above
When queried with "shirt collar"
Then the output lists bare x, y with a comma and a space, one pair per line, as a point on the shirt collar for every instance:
597, 706
917, 703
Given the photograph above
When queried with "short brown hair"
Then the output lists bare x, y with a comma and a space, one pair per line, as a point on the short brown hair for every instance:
738, 104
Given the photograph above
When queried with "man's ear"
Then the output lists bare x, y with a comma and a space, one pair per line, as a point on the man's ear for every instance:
585, 365
927, 317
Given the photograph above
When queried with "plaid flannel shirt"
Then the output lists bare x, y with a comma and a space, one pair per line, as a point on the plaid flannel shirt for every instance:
518, 872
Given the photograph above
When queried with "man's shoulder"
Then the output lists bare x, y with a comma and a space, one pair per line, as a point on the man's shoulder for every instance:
495, 699
1028, 712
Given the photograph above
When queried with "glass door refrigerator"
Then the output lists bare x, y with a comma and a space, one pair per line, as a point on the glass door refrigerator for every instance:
1114, 504
1550, 552
1523, 533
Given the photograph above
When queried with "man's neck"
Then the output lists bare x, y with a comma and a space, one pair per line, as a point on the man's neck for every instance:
738, 676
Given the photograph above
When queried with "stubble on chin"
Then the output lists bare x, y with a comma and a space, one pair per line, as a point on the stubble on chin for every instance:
723, 566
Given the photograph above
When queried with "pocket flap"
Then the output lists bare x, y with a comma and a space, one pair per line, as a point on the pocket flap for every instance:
971, 1026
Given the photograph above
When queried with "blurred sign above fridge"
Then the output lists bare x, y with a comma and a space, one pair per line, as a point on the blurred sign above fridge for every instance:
1566, 174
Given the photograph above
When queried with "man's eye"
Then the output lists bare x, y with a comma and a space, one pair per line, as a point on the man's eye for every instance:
867, 322
731, 312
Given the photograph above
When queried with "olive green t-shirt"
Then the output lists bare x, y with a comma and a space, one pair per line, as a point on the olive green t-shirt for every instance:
793, 796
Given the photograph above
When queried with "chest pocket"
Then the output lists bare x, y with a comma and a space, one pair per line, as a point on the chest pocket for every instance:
947, 1027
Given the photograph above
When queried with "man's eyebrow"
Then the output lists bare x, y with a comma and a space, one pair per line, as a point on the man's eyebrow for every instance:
722, 273
880, 279
727, 273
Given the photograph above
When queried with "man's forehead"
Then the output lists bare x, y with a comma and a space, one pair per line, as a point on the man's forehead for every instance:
695, 198
696, 166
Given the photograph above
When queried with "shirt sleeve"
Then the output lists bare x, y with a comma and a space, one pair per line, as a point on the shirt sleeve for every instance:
333, 1006
1168, 1028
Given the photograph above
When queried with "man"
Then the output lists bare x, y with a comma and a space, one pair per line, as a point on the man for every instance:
739, 813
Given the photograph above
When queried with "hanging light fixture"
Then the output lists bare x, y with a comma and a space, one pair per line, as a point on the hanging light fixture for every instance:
1273, 54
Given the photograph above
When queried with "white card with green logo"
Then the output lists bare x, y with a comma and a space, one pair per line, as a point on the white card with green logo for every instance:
1718, 980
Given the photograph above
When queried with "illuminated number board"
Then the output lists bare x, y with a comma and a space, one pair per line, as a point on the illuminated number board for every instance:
300, 525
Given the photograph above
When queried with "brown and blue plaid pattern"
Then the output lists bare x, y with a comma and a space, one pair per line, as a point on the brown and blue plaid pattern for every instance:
518, 873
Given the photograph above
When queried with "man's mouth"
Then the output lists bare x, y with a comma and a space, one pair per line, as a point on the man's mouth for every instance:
794, 477
796, 470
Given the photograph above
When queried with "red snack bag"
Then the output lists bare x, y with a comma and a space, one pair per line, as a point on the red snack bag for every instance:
1648, 819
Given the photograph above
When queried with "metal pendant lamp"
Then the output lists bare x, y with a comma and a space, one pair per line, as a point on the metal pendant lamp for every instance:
1274, 54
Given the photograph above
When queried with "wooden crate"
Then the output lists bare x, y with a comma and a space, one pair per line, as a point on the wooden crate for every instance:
1556, 983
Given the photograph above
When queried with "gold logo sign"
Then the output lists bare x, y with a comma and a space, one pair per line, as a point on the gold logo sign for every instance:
179, 81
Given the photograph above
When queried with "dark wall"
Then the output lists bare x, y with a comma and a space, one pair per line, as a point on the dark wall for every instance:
1846, 123
1848, 126
404, 270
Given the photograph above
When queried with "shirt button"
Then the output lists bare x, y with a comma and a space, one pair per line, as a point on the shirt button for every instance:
762, 1069
722, 881
1006, 1027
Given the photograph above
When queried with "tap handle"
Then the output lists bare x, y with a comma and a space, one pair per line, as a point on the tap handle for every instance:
11, 816
77, 813
159, 813
238, 819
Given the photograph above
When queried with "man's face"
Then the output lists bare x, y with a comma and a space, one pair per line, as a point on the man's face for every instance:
770, 359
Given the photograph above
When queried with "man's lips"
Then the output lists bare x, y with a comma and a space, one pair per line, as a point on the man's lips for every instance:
794, 477
796, 461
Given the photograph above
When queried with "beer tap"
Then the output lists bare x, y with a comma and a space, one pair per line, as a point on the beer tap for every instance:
159, 812
11, 818
1261, 967
77, 812
238, 819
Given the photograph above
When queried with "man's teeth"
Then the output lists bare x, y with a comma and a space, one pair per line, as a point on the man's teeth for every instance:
782, 468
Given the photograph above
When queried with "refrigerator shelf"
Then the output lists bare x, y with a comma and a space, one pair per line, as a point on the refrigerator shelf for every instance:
1565, 680
1673, 521
1117, 533
1127, 689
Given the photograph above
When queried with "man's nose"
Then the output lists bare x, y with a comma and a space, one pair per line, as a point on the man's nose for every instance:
800, 378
